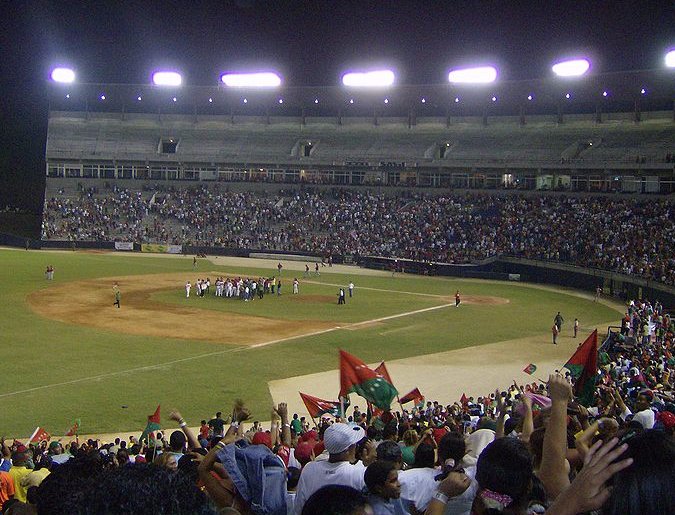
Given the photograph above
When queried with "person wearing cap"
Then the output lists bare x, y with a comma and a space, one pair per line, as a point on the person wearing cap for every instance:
340, 441
57, 453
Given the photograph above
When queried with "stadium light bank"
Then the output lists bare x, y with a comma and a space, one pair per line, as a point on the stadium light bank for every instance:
369, 79
478, 75
670, 59
251, 80
63, 75
167, 78
571, 68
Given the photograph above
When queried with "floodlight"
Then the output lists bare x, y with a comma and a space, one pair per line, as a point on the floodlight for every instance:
568, 96
351, 100
480, 75
530, 97
167, 79
210, 100
67, 95
456, 100
604, 93
251, 80
281, 100
102, 97
64, 75
572, 68
643, 91
494, 99
670, 59
372, 79
386, 100
316, 100
174, 99
139, 98
424, 100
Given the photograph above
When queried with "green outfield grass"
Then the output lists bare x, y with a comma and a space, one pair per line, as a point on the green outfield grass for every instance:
115, 370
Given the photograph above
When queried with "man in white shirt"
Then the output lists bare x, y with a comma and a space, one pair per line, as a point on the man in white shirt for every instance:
340, 442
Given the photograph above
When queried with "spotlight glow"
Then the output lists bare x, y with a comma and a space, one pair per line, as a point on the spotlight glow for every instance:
372, 79
604, 93
63, 75
210, 100
139, 98
643, 91
670, 59
351, 100
568, 96
494, 99
167, 78
245, 101
480, 75
530, 97
456, 100
174, 99
281, 100
316, 100
251, 80
386, 100
424, 100
102, 97
572, 68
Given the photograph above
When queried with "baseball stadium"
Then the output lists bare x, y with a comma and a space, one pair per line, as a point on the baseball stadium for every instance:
204, 247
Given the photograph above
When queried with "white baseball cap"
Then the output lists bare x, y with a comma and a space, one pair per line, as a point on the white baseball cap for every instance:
340, 437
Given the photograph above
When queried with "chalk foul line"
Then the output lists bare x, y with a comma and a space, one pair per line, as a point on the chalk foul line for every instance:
216, 353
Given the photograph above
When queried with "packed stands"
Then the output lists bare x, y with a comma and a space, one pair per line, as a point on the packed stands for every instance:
532, 448
629, 235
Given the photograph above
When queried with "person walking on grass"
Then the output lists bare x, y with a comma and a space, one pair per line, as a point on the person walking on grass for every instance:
555, 332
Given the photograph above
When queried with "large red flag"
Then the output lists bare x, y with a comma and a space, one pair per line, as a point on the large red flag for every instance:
583, 365
317, 407
356, 377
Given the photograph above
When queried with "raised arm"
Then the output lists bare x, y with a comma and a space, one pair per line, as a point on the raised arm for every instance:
553, 472
192, 441
282, 410
528, 421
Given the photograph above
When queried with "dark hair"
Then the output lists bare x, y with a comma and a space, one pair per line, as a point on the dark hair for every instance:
452, 445
177, 441
505, 467
424, 456
390, 430
334, 500
646, 486
377, 473
389, 451
293, 477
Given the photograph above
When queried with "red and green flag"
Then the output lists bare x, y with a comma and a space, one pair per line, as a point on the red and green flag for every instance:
75, 429
383, 372
153, 425
530, 369
583, 365
317, 407
413, 396
356, 377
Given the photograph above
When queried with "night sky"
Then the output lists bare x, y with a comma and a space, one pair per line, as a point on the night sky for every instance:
308, 43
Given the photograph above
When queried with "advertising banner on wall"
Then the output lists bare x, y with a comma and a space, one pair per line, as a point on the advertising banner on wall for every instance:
124, 245
161, 248
154, 247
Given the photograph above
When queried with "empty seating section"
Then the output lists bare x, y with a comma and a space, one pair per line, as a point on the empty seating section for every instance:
223, 141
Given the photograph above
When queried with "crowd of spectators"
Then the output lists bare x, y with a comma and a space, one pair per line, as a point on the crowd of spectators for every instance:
527, 448
628, 235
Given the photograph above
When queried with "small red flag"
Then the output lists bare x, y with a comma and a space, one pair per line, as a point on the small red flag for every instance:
530, 369
414, 395
39, 435
464, 400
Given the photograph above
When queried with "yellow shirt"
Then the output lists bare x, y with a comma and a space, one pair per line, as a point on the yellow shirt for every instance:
17, 473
